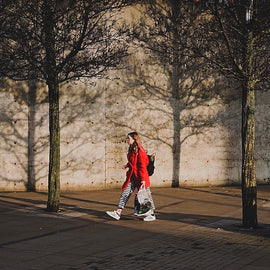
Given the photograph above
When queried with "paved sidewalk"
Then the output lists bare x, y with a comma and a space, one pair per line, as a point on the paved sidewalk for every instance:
196, 228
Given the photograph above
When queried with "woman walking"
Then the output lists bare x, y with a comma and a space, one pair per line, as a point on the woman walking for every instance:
136, 177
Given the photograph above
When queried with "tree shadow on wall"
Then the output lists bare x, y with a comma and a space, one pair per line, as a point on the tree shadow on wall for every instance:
19, 120
25, 132
151, 106
168, 94
82, 127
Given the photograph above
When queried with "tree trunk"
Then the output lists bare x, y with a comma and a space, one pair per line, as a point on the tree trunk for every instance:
54, 126
249, 187
31, 183
176, 147
54, 161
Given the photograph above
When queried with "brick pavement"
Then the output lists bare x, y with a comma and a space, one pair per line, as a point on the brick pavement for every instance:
197, 228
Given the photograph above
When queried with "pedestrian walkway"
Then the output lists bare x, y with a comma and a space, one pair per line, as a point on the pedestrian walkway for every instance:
196, 228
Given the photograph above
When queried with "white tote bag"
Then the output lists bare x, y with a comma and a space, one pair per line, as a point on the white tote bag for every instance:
143, 196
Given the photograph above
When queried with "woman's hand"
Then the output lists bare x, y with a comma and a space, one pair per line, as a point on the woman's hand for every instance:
142, 184
125, 166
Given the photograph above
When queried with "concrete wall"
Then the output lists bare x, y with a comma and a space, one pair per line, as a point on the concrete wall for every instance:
96, 118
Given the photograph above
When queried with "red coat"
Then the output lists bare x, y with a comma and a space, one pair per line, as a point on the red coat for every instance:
137, 164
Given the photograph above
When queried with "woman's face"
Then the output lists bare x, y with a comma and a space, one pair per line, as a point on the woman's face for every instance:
130, 140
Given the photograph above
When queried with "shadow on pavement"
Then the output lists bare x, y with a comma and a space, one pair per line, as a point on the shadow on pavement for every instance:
194, 230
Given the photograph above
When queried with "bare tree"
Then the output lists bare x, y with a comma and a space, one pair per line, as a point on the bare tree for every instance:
55, 42
233, 38
229, 37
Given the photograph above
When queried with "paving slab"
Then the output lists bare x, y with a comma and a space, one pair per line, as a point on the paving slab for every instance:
196, 228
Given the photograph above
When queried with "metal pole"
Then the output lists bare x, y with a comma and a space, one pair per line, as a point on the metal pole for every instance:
249, 11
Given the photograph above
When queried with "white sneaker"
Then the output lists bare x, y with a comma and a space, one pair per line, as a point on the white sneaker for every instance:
151, 217
114, 214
